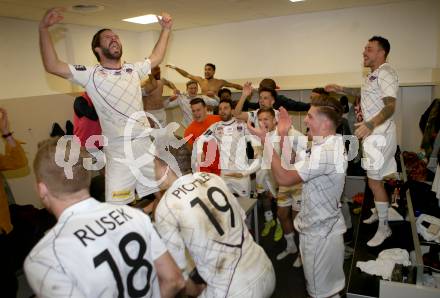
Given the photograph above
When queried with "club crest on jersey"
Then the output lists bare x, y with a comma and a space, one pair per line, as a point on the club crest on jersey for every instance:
372, 78
129, 70
239, 128
79, 67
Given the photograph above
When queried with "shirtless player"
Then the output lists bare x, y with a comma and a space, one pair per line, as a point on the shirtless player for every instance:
209, 85
152, 90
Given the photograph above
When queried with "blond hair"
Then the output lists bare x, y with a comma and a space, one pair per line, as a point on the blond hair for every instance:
53, 176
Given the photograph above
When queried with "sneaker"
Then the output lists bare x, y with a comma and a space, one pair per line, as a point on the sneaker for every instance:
278, 233
286, 252
373, 218
298, 263
268, 225
380, 236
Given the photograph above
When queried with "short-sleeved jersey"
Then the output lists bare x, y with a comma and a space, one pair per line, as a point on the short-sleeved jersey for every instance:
253, 117
231, 137
382, 82
96, 250
322, 169
116, 95
183, 101
200, 213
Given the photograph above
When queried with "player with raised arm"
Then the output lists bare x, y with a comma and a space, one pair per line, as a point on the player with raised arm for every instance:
152, 95
378, 103
321, 169
199, 213
209, 85
183, 101
115, 90
95, 249
288, 198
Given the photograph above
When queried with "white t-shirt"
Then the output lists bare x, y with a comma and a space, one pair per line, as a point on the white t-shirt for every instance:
322, 170
383, 82
200, 213
183, 101
253, 117
116, 95
231, 137
96, 250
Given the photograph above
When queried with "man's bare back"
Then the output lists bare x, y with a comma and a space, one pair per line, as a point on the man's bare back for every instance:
153, 90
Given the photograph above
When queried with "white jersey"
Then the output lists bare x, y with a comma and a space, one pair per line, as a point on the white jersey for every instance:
183, 101
96, 250
322, 169
200, 213
253, 117
116, 95
383, 82
231, 137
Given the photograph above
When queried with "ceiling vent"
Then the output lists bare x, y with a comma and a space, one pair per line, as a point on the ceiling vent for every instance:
86, 8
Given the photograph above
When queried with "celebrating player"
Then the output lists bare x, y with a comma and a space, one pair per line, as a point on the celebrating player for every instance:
95, 249
322, 172
378, 103
115, 90
198, 212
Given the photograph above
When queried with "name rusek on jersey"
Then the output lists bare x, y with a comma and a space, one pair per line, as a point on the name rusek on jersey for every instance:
99, 227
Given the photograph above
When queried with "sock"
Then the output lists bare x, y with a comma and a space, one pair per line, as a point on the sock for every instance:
290, 241
268, 216
382, 212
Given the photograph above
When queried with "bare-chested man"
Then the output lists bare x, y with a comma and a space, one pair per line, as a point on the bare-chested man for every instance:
209, 85
152, 90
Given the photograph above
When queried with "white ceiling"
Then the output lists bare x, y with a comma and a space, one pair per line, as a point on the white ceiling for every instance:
186, 13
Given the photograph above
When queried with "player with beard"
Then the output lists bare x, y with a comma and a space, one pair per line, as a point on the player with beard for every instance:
115, 89
209, 85
231, 137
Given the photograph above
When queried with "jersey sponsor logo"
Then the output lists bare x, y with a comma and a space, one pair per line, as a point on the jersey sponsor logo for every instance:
99, 227
189, 187
79, 67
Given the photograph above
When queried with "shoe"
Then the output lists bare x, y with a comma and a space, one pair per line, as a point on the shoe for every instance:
373, 218
278, 233
268, 225
380, 236
298, 263
286, 252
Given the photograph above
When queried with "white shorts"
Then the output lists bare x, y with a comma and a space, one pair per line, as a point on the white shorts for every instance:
290, 196
380, 149
120, 180
239, 186
265, 182
323, 260
160, 116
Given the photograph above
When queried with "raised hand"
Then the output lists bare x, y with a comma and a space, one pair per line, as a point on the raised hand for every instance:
165, 20
259, 132
284, 122
247, 89
52, 17
333, 88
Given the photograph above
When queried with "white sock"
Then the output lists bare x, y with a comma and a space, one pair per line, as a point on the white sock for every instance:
290, 241
382, 212
268, 216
